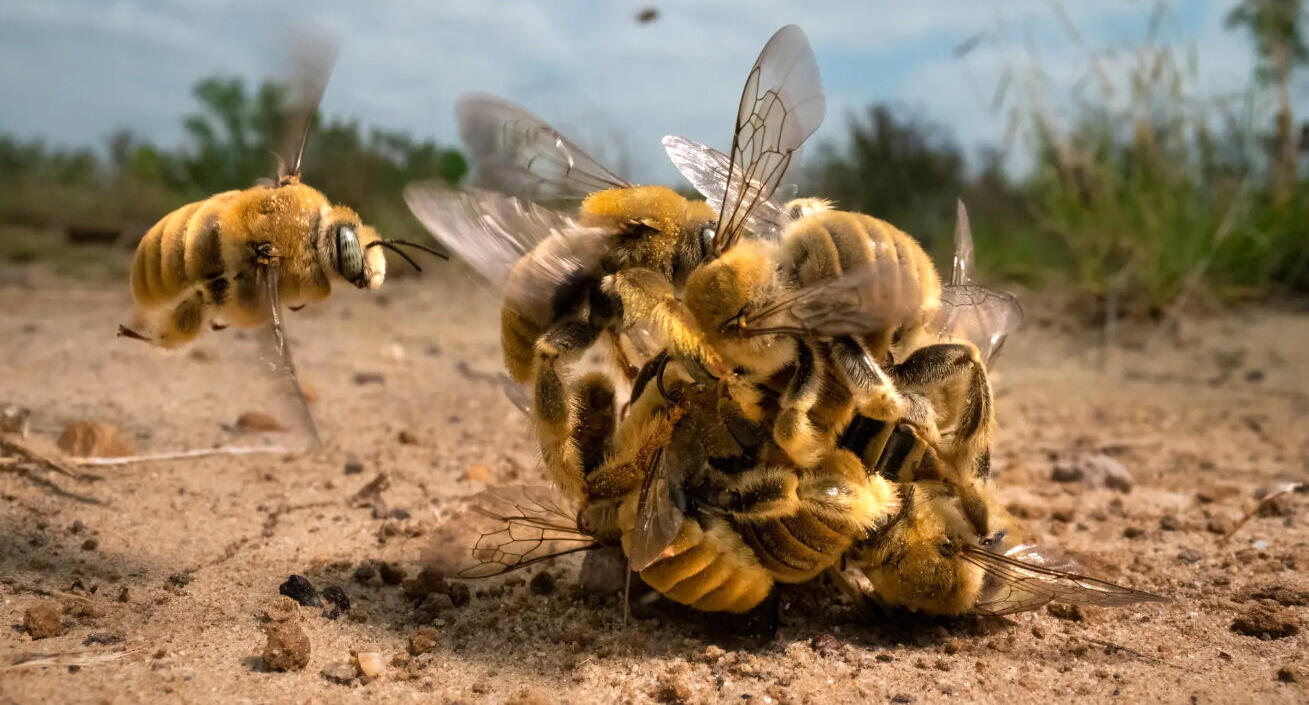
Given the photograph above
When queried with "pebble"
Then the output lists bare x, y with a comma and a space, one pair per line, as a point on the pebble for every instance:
86, 439
353, 466
1168, 522
342, 672
339, 601
543, 583
1189, 555
298, 588
370, 663
1093, 470
423, 641
363, 378
259, 422
407, 438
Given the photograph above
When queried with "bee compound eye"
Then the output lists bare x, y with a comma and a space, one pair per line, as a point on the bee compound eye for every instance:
349, 256
707, 234
946, 547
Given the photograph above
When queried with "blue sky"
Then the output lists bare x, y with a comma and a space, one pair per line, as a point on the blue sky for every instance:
73, 71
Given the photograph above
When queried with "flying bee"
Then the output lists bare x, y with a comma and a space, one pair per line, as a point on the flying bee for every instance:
616, 265
235, 258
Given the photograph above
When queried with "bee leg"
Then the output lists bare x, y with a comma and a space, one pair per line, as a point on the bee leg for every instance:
596, 420
184, 322
874, 391
952, 380
629, 370
125, 332
794, 430
554, 406
645, 296
862, 601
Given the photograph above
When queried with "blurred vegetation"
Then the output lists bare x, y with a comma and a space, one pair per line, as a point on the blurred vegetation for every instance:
1135, 191
1146, 196
50, 195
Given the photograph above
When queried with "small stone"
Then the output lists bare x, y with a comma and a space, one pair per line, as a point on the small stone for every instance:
883, 657
353, 466
1093, 470
287, 648
1133, 532
407, 438
1286, 674
1066, 471
363, 378
337, 599
825, 644
391, 573
371, 663
44, 620
298, 588
479, 473
1266, 622
1189, 555
94, 440
77, 527
102, 639
15, 419
902, 698
672, 689
90, 545
1060, 610
543, 583
365, 572
342, 672
259, 422
124, 595
423, 641
460, 594
179, 580
1064, 516
1168, 522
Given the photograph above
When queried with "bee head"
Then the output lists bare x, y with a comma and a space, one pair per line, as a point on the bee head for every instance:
917, 562
345, 245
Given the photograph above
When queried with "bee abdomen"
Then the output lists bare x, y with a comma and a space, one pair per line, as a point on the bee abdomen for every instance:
796, 548
183, 249
710, 569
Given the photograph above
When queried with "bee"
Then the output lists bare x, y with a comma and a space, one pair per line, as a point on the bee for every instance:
615, 266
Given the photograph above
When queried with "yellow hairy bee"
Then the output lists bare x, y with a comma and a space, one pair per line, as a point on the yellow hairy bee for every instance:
616, 264
232, 258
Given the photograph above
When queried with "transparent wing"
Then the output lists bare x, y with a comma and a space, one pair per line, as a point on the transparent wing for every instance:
312, 58
494, 232
275, 358
533, 524
658, 516
707, 169
1012, 584
871, 298
962, 272
781, 105
983, 316
518, 153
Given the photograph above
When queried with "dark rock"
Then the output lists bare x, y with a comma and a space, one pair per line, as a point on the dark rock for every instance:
1189, 555
337, 599
543, 583
391, 573
298, 588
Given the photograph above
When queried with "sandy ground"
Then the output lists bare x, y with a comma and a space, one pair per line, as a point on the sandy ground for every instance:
172, 565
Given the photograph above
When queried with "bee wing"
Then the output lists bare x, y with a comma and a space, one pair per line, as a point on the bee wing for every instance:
962, 272
529, 524
275, 359
312, 58
707, 169
658, 514
492, 232
873, 297
983, 316
518, 153
781, 105
1015, 585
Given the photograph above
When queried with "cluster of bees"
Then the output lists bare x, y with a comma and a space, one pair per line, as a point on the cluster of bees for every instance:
788, 390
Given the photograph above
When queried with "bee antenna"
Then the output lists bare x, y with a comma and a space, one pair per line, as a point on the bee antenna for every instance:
422, 247
391, 246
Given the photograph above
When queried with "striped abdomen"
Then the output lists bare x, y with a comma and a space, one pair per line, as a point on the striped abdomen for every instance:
709, 568
182, 250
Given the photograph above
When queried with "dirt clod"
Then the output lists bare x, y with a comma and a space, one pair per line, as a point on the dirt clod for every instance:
672, 689
365, 572
44, 620
391, 573
1287, 674
460, 594
825, 644
1266, 622
1189, 555
90, 545
543, 583
287, 648
353, 466
259, 422
338, 602
1060, 610
281, 609
14, 419
902, 698
423, 641
1282, 594
406, 438
87, 439
298, 588
1168, 522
